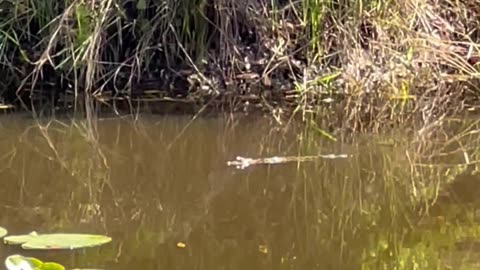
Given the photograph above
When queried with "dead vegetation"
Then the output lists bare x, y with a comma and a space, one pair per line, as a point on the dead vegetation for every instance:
371, 63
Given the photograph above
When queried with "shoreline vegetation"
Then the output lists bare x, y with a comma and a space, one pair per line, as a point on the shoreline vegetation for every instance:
391, 200
371, 63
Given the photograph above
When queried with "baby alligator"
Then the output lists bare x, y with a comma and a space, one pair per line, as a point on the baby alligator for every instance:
242, 162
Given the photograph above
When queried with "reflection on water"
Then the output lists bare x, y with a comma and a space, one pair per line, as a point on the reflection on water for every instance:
161, 188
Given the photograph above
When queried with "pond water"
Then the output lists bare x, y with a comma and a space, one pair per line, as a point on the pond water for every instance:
161, 188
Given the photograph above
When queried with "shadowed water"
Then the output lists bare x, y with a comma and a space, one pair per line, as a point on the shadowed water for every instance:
161, 188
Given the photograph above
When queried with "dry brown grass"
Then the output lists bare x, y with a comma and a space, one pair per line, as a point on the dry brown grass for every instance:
379, 62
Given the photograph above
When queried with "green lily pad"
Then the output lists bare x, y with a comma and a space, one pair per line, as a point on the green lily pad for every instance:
3, 232
19, 262
57, 241
19, 239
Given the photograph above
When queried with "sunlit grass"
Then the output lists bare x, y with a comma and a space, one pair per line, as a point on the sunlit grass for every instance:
377, 61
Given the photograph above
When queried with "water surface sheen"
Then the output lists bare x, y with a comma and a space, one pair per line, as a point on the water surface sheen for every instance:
161, 188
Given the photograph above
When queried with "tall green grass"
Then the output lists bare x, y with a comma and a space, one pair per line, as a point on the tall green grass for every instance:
380, 61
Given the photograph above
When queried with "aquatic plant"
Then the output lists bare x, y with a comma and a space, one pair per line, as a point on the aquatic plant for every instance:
3, 232
369, 61
19, 262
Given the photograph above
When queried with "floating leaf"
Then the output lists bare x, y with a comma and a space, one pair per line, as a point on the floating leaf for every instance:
3, 232
57, 241
19, 262
52, 266
19, 239
65, 241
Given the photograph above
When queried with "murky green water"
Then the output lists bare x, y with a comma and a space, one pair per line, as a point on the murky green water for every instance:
161, 188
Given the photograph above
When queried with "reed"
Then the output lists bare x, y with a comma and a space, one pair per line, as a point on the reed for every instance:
377, 61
